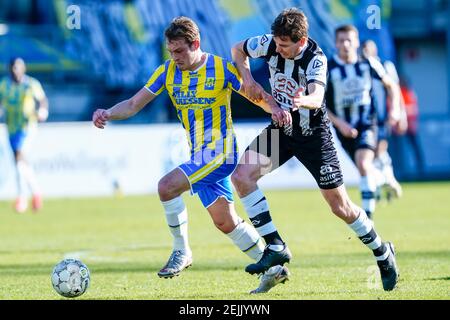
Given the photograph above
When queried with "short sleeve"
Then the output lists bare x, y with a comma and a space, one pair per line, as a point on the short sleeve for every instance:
391, 71
156, 83
37, 90
233, 78
317, 70
376, 68
257, 47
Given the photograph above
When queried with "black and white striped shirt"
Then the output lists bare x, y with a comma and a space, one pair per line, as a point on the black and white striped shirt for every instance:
288, 75
349, 92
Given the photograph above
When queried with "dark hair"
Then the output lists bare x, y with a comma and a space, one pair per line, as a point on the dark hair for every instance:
182, 28
346, 28
292, 23
13, 60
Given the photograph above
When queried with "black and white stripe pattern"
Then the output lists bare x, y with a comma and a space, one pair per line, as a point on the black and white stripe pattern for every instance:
365, 231
288, 75
257, 208
373, 241
349, 92
263, 222
259, 215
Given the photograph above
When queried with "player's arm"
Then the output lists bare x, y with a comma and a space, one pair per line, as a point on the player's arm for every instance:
392, 89
266, 102
343, 126
124, 109
311, 101
316, 77
394, 98
255, 47
42, 111
128, 108
41, 98
269, 105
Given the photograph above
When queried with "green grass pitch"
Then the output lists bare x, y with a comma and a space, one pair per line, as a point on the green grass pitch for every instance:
125, 241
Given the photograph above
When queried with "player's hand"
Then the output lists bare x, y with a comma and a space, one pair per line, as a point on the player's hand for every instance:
398, 126
253, 90
100, 117
347, 130
42, 114
279, 115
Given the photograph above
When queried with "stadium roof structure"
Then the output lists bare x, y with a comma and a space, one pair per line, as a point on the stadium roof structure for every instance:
39, 55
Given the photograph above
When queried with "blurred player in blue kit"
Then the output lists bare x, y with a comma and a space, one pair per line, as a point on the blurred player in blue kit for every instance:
19, 96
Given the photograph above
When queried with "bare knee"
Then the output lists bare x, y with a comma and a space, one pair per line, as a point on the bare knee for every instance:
223, 215
243, 180
225, 221
364, 161
166, 189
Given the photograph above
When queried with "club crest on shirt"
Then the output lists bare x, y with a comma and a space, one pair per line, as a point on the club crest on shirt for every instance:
209, 83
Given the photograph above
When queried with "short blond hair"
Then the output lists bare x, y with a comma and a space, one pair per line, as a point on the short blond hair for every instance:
346, 28
183, 28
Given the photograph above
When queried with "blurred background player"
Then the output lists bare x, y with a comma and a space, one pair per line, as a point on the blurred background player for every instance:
19, 94
298, 76
412, 115
385, 120
199, 85
352, 111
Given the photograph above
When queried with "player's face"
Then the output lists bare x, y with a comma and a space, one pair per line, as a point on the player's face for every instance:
347, 44
183, 54
287, 48
17, 70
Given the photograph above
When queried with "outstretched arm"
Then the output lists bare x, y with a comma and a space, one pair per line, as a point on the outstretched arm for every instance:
124, 109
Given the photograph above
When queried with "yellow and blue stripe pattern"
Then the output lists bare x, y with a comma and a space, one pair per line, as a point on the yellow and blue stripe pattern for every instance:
18, 100
202, 99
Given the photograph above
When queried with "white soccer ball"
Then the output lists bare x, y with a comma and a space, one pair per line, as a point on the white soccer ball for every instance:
70, 278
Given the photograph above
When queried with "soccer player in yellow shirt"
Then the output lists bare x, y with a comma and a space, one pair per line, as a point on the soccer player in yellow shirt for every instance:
199, 85
18, 96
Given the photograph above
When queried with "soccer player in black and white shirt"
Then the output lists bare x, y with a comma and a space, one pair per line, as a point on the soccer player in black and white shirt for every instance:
386, 121
352, 108
298, 71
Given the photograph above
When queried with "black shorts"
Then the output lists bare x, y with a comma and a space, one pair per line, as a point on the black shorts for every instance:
316, 152
367, 139
384, 131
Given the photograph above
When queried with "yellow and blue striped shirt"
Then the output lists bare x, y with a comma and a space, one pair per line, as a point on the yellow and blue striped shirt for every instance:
202, 99
18, 99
